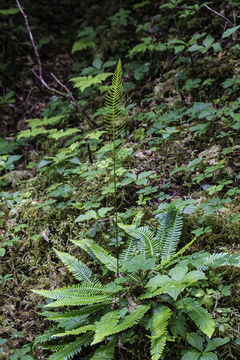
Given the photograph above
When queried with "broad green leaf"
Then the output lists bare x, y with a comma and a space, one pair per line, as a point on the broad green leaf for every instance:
215, 343
191, 355
97, 63
90, 214
178, 272
194, 276
230, 31
195, 340
208, 356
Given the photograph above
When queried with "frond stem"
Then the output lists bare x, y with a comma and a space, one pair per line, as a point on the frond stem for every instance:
115, 200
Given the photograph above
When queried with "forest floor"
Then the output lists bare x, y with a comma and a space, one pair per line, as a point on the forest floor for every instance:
181, 145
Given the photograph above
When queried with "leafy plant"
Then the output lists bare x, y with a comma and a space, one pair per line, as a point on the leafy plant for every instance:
198, 353
154, 279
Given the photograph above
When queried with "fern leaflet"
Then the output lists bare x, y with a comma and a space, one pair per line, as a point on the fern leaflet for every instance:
71, 349
101, 254
79, 270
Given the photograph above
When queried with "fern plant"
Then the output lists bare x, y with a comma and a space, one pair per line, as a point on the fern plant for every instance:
115, 121
154, 290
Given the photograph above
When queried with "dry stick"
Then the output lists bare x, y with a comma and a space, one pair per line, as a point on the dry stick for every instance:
217, 13
40, 75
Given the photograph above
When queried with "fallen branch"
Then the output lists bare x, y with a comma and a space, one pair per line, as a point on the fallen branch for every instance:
68, 93
217, 13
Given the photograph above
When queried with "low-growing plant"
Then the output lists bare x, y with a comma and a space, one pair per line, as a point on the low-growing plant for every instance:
152, 286
155, 288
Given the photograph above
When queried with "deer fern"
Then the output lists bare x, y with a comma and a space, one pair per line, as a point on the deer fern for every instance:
115, 121
153, 275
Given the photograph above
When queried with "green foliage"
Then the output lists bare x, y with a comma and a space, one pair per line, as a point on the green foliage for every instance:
138, 263
83, 82
114, 102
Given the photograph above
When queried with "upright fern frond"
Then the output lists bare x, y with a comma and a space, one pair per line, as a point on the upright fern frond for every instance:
172, 235
114, 121
114, 118
158, 325
144, 234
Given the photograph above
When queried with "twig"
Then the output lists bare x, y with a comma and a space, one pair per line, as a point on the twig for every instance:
217, 13
32, 40
40, 74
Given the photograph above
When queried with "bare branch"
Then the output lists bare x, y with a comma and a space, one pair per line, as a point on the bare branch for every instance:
217, 13
40, 74
32, 40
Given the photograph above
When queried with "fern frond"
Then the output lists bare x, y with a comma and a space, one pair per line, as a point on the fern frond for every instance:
199, 315
79, 270
83, 300
77, 295
164, 222
105, 352
127, 322
114, 118
81, 330
179, 253
71, 349
105, 324
130, 251
159, 321
101, 254
75, 291
157, 347
146, 237
173, 233
86, 310
45, 337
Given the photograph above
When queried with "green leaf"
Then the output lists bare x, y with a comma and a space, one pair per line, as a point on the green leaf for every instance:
83, 82
103, 211
82, 45
2, 251
208, 41
194, 276
11, 11
178, 272
195, 340
208, 356
191, 355
157, 347
58, 134
90, 214
230, 31
97, 63
215, 343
